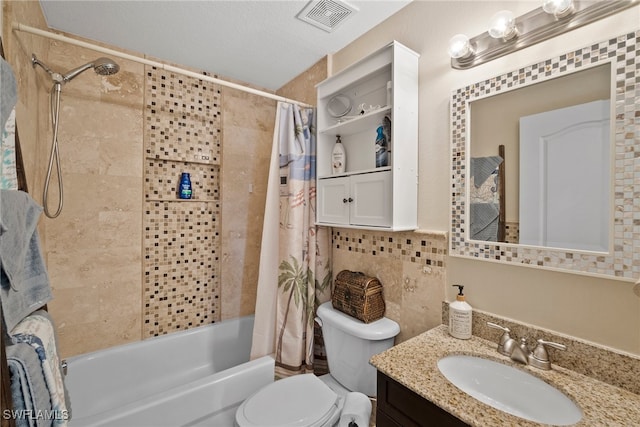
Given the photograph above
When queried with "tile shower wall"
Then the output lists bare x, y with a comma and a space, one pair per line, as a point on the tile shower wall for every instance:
181, 284
92, 249
411, 267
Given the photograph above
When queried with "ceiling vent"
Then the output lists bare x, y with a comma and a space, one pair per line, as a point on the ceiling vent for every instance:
326, 14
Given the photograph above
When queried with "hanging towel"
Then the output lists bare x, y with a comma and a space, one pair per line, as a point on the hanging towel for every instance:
483, 167
8, 166
8, 91
29, 392
37, 331
484, 221
8, 100
24, 282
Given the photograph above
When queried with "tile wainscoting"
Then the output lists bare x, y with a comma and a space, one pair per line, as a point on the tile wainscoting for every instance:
411, 266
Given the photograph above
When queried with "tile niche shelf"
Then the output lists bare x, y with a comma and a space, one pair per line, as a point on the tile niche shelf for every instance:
163, 176
382, 85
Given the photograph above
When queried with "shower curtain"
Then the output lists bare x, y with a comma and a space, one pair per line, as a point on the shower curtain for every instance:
295, 270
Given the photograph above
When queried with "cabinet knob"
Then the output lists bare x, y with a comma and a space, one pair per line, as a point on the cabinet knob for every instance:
350, 200
344, 200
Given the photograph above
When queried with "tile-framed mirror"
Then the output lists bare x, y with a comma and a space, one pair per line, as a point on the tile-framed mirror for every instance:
613, 256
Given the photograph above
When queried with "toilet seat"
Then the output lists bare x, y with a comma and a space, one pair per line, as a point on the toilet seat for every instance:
298, 401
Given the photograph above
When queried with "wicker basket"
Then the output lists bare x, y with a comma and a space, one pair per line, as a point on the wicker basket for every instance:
358, 295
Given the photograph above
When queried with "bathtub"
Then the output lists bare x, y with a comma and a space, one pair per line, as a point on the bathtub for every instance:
193, 378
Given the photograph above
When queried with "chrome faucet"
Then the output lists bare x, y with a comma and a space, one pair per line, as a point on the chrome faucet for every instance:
538, 358
506, 344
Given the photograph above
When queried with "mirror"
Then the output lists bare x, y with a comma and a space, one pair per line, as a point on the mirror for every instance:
550, 170
339, 106
521, 213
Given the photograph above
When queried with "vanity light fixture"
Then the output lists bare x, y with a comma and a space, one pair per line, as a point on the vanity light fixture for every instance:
558, 8
509, 34
503, 25
459, 47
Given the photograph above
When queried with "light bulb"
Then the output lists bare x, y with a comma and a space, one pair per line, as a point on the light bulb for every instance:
558, 8
459, 47
503, 25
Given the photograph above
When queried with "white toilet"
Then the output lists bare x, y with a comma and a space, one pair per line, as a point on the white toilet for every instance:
310, 401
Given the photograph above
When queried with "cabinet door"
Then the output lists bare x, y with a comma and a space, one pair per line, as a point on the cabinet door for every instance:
372, 202
333, 200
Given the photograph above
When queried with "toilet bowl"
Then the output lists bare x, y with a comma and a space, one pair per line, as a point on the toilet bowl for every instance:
298, 401
309, 401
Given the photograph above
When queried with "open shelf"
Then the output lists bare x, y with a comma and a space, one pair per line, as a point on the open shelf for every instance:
358, 124
358, 172
364, 196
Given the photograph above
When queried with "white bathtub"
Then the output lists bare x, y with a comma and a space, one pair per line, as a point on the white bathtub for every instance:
190, 378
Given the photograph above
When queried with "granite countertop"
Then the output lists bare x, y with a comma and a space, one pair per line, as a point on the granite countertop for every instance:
413, 363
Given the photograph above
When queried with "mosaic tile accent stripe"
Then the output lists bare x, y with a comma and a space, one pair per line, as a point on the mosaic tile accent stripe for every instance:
512, 232
426, 248
183, 118
181, 266
181, 238
624, 54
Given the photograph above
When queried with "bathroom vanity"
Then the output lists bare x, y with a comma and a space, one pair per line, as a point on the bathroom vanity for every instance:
413, 392
398, 406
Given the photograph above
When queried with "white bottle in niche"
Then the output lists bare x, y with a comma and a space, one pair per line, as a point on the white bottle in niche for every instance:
460, 316
338, 157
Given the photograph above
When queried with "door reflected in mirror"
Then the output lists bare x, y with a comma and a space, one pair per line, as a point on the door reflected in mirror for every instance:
540, 163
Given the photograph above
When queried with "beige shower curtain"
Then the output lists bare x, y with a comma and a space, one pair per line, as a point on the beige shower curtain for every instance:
295, 270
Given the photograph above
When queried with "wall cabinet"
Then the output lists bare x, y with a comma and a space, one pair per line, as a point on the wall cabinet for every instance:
360, 199
380, 91
397, 406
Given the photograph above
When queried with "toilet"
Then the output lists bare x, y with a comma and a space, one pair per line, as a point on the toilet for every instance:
311, 401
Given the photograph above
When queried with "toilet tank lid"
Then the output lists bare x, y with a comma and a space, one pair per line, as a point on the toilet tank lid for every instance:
380, 329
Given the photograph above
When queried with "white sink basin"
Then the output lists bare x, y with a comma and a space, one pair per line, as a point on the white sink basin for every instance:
510, 390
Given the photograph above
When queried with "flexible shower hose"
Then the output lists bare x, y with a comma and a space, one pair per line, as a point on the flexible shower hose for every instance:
55, 113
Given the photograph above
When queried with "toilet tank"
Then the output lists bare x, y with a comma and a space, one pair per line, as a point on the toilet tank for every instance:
350, 343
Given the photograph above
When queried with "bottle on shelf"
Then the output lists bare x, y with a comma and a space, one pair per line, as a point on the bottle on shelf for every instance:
338, 157
184, 188
382, 146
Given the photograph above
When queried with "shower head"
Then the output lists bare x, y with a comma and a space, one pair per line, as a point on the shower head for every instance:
105, 66
102, 66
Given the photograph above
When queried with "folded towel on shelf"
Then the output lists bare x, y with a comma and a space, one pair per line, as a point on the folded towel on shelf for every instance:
484, 218
24, 282
37, 331
31, 400
483, 167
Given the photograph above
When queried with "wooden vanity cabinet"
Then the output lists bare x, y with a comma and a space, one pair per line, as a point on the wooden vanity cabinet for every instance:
398, 406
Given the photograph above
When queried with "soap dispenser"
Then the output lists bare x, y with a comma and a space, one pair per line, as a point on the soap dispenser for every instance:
460, 316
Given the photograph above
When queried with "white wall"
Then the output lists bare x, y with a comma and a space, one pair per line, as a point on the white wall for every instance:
599, 310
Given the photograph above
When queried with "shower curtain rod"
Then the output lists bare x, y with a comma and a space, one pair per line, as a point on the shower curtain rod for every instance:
27, 29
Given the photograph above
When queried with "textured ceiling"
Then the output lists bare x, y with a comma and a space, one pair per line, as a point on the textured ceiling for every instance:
260, 42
